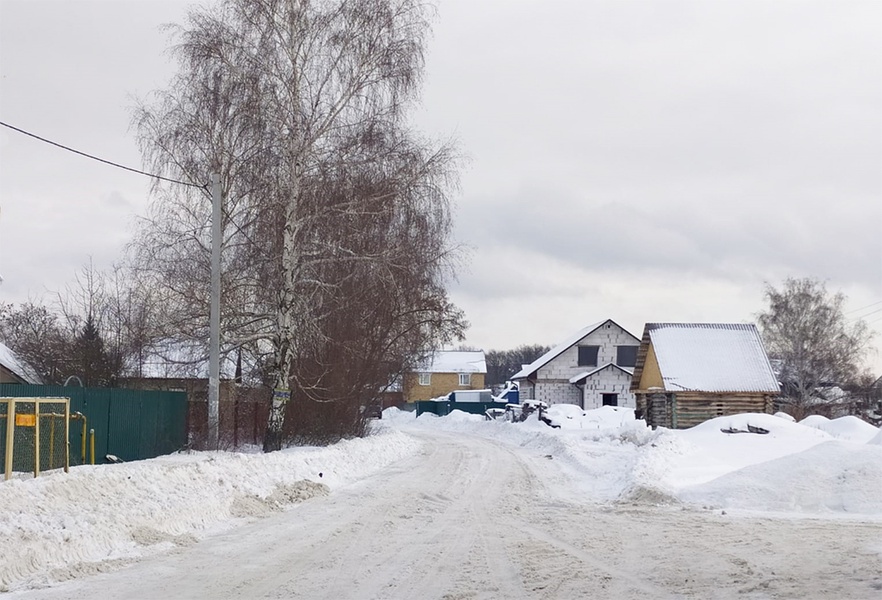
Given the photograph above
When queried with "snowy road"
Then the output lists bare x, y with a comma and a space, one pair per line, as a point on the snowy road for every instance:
473, 518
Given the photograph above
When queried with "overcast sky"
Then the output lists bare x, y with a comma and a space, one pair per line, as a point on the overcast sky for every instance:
640, 161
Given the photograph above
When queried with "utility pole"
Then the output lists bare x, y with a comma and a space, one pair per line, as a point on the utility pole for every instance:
214, 318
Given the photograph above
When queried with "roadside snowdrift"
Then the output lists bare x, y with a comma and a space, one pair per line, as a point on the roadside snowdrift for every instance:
61, 526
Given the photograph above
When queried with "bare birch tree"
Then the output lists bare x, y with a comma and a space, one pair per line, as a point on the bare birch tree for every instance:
336, 215
805, 329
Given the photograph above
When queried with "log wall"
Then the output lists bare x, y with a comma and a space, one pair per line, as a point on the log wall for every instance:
688, 409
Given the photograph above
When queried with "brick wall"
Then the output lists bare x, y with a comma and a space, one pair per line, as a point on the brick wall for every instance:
552, 380
441, 384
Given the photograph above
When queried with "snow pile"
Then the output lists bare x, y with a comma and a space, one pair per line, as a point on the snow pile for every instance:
64, 525
68, 522
715, 453
833, 477
818, 466
597, 447
846, 428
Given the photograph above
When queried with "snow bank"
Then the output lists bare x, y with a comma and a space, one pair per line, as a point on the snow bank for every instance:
814, 467
596, 447
846, 428
712, 453
60, 524
832, 477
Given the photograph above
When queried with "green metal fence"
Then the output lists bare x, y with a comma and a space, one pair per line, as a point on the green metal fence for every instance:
443, 408
129, 424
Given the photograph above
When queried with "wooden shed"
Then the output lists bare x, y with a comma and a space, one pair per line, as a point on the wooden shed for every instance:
687, 373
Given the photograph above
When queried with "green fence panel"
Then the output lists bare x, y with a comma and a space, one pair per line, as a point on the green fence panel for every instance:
444, 407
130, 424
123, 426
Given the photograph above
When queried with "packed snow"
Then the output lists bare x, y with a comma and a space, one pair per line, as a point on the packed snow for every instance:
62, 526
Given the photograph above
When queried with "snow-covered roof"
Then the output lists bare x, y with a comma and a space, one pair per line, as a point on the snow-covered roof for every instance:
18, 367
711, 357
588, 374
455, 361
559, 349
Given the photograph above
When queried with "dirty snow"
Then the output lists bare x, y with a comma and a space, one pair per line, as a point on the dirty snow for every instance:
65, 526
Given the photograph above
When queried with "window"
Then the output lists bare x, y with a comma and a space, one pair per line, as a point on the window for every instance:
425, 379
610, 399
588, 356
465, 379
626, 356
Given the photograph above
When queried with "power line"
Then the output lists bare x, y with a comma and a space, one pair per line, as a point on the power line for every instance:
861, 318
107, 162
848, 312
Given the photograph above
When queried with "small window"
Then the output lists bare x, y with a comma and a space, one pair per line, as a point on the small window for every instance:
588, 356
465, 379
425, 379
610, 399
626, 356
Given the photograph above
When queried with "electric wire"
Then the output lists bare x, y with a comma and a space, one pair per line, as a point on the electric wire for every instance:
854, 310
111, 163
107, 162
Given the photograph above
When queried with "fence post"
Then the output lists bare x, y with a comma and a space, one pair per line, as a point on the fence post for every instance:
10, 435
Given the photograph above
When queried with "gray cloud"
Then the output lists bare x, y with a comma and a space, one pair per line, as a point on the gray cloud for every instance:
629, 159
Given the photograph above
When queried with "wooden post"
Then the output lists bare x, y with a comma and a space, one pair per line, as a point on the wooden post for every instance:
10, 435
52, 443
36, 437
67, 435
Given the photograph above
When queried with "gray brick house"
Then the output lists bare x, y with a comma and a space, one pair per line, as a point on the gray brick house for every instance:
591, 368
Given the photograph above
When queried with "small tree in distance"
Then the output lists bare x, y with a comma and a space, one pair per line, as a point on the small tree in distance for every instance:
804, 328
502, 364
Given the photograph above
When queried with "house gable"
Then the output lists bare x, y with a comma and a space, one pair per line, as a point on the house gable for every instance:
562, 361
650, 375
581, 378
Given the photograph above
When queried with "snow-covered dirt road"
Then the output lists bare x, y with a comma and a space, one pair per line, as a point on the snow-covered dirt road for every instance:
470, 517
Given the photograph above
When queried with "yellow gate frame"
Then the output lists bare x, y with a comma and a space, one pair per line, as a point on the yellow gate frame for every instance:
14, 419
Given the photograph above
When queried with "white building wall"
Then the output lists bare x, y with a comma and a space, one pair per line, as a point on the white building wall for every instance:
566, 365
552, 380
558, 392
608, 381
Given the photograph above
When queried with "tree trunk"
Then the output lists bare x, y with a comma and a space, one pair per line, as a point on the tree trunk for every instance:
286, 309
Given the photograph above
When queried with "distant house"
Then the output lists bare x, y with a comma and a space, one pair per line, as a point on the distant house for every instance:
591, 368
687, 373
444, 372
15, 370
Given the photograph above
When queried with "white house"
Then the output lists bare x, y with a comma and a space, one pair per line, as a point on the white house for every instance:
591, 368
14, 370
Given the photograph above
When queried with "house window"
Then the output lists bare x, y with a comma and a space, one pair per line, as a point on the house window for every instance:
465, 379
626, 356
610, 399
425, 379
588, 356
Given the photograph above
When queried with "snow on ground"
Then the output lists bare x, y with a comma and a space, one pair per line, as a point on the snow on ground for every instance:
123, 511
819, 467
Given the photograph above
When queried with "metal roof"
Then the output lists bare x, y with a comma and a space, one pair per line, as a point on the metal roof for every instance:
712, 357
454, 361
18, 367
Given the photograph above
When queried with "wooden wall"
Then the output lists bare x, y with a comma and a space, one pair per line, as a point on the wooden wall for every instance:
688, 409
